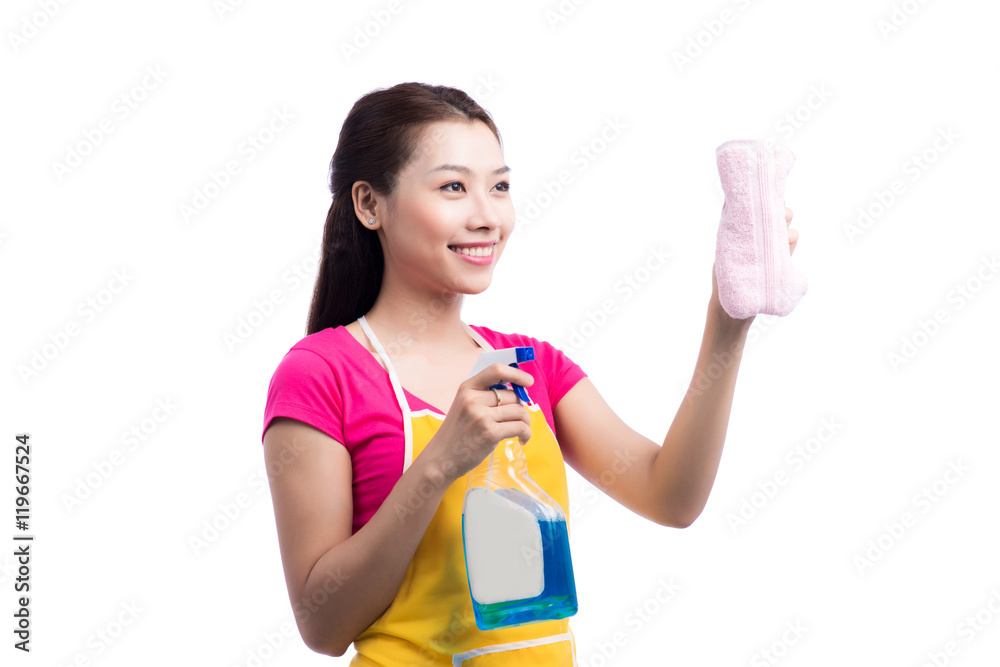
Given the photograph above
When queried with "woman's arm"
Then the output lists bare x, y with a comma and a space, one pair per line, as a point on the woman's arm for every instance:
668, 484
339, 583
685, 467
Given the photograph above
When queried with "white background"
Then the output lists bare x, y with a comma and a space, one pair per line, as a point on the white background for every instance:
855, 102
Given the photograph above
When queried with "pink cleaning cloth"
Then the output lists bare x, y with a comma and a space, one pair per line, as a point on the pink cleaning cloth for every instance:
753, 267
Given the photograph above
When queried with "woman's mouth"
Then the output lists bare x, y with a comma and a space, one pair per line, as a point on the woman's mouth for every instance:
476, 254
475, 251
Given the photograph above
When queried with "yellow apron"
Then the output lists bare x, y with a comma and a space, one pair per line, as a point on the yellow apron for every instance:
430, 621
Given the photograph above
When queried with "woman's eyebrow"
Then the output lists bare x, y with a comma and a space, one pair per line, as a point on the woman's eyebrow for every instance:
465, 170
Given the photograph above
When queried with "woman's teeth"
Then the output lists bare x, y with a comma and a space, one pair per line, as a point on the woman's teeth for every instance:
478, 251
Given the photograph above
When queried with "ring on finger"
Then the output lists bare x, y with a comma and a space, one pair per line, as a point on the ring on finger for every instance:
497, 393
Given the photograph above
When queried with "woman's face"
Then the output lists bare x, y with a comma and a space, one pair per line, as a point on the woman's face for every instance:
453, 192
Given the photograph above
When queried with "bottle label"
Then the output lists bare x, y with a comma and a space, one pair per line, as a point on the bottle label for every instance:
503, 548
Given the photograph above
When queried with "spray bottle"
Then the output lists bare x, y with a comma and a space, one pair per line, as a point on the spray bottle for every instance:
517, 556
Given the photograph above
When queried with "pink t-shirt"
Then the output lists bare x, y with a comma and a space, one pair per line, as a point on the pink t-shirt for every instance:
332, 382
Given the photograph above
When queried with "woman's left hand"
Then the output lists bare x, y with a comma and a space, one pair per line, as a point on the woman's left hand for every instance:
793, 239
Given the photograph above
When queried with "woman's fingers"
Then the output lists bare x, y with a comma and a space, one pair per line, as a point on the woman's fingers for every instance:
793, 234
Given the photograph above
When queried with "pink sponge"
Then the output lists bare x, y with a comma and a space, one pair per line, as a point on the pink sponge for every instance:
753, 267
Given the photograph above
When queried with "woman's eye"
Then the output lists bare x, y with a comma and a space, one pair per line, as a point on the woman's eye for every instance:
447, 187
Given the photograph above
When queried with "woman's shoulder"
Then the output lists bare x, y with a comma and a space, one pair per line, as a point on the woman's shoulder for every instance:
326, 343
550, 359
323, 372
501, 339
324, 352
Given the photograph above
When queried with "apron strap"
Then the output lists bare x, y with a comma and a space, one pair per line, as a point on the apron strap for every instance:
459, 658
397, 389
483, 343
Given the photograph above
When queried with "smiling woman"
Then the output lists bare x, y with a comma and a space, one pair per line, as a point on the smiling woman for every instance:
369, 438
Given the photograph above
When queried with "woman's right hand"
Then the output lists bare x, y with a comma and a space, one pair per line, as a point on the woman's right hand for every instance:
475, 423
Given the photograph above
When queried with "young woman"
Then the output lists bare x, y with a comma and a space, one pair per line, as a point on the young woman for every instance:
371, 426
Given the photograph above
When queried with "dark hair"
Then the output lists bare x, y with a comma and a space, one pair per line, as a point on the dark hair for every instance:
378, 138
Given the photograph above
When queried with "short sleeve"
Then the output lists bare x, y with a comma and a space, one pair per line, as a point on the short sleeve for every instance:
561, 371
305, 387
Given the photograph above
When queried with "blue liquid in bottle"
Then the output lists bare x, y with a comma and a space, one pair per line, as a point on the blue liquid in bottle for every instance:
558, 595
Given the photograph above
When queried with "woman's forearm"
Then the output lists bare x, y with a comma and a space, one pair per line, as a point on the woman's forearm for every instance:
354, 582
686, 465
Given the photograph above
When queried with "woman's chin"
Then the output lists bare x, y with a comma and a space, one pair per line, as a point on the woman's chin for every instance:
472, 285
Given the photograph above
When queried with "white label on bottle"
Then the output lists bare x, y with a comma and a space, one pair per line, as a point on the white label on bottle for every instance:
503, 548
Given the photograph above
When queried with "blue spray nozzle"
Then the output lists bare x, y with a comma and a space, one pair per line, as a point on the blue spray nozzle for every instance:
511, 356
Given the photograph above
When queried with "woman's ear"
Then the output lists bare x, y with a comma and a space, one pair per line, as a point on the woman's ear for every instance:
364, 203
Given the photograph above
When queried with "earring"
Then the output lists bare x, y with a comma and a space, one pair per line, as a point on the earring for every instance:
371, 221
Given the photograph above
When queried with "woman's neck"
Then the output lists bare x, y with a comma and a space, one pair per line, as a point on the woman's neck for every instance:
426, 327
